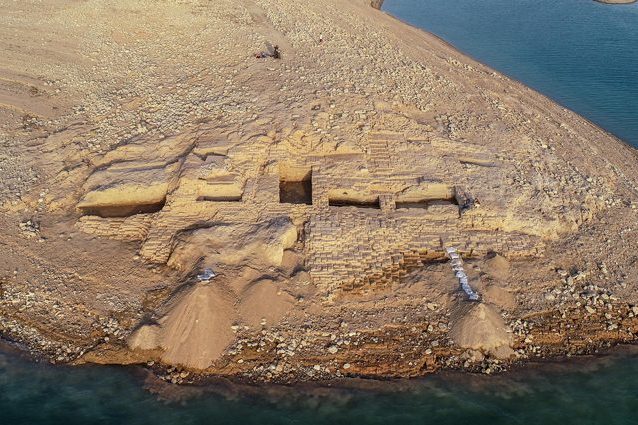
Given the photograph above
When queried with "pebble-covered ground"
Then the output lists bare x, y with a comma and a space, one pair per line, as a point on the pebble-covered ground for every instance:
79, 79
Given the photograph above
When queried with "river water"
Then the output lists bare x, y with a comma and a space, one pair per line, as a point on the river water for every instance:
584, 391
578, 52
581, 53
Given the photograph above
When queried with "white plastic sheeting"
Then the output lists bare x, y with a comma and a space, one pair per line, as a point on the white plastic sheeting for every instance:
206, 275
457, 267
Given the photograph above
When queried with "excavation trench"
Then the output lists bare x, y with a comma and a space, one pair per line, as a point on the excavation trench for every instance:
114, 211
295, 185
425, 204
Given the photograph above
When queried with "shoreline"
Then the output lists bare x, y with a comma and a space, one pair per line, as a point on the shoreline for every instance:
233, 387
511, 78
549, 132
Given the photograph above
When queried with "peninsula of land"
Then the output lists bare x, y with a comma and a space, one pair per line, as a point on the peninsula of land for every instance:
289, 191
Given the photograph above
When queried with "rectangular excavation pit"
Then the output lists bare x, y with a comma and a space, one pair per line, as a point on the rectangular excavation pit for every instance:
295, 185
425, 204
350, 198
219, 199
115, 211
143, 193
221, 188
426, 196
411, 205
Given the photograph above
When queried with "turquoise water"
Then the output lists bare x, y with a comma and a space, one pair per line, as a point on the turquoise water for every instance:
581, 53
596, 391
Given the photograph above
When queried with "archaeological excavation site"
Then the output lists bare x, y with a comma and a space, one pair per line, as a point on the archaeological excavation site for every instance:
187, 205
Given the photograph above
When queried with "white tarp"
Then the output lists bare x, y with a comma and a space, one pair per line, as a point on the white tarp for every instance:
457, 267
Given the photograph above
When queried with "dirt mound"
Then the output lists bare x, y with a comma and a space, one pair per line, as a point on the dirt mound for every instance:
500, 297
497, 267
195, 331
263, 300
480, 327
196, 328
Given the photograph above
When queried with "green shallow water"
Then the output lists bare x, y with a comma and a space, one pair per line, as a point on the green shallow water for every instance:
591, 391
581, 53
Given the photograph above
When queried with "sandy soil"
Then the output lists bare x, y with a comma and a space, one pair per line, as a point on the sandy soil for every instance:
122, 123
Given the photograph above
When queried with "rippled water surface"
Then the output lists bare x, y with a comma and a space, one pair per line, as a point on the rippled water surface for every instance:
594, 391
581, 53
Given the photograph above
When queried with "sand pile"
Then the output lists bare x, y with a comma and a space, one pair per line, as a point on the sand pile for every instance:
480, 327
263, 300
195, 331
498, 291
497, 267
197, 328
